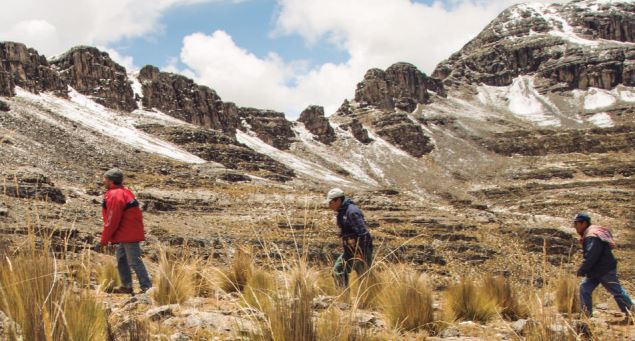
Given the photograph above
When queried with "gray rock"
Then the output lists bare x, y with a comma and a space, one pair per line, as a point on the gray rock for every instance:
323, 302
158, 313
219, 322
449, 332
4, 106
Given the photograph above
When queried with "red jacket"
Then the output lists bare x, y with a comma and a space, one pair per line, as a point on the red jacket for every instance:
123, 221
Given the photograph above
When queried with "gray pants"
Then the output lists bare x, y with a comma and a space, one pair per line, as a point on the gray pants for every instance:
129, 256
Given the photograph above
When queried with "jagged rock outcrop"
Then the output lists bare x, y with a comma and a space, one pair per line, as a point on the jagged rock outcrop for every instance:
315, 122
358, 131
558, 43
398, 129
545, 142
180, 97
91, 72
270, 126
214, 146
24, 67
401, 86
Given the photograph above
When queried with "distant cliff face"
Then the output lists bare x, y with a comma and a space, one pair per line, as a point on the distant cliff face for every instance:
180, 97
314, 120
578, 45
92, 73
24, 67
401, 86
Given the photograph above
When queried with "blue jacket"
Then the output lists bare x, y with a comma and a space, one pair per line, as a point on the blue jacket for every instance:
598, 258
351, 220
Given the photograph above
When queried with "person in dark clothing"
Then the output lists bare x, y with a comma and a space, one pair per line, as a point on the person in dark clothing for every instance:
356, 239
599, 266
123, 225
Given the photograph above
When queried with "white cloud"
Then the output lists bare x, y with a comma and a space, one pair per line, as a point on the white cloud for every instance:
52, 27
375, 33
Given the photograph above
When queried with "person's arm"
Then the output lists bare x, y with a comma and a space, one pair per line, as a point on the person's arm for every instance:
114, 211
592, 253
357, 222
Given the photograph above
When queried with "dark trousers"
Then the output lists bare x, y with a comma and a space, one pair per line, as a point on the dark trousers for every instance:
129, 256
611, 284
357, 255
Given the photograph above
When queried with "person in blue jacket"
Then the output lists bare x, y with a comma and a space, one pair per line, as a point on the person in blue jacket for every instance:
599, 266
356, 239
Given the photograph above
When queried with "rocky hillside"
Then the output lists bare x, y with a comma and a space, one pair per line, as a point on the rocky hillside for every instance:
532, 118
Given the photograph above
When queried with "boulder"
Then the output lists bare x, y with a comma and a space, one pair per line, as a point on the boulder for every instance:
314, 120
4, 106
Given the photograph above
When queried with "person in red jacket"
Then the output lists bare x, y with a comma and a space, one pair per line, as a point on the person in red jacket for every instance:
123, 225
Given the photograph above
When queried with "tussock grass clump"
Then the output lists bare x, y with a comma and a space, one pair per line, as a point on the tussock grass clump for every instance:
465, 301
503, 293
237, 275
174, 283
567, 294
407, 302
367, 289
108, 276
290, 316
33, 295
260, 290
84, 318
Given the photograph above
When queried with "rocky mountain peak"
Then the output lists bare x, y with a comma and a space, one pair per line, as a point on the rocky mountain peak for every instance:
314, 120
181, 97
93, 73
577, 45
400, 86
25, 67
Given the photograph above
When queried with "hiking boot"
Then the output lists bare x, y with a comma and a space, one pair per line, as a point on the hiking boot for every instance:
120, 290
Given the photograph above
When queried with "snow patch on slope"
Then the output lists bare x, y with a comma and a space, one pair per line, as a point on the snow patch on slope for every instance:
297, 164
522, 100
96, 117
351, 163
602, 120
598, 99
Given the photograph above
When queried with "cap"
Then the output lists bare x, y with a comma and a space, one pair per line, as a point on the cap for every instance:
334, 194
582, 217
115, 174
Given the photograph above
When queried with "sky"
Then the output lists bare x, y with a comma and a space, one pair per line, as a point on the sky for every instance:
276, 54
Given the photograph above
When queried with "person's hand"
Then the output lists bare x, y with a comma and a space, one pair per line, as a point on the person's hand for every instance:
351, 243
97, 247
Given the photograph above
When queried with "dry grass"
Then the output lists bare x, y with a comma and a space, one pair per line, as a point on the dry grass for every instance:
237, 275
503, 293
33, 294
108, 276
84, 318
290, 317
260, 290
174, 283
367, 289
407, 303
567, 294
334, 325
465, 301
